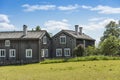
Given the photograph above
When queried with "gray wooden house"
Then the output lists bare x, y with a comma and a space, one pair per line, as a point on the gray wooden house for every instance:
24, 46
65, 41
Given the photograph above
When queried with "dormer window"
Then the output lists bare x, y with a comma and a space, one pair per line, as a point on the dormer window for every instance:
7, 43
62, 39
44, 40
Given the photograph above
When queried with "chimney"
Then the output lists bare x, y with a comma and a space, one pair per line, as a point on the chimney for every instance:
24, 30
76, 29
80, 30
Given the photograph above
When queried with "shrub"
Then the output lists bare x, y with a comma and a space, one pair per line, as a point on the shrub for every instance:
78, 51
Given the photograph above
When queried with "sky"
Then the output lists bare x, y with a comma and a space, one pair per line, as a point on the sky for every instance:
55, 15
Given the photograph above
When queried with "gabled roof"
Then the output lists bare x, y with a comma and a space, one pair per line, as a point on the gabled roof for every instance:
19, 34
73, 34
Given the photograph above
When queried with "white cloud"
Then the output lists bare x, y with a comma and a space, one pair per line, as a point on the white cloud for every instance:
4, 18
106, 9
96, 27
30, 8
86, 7
100, 8
53, 25
103, 9
69, 7
5, 23
97, 19
98, 24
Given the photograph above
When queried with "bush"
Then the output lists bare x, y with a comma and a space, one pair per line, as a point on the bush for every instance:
78, 51
76, 59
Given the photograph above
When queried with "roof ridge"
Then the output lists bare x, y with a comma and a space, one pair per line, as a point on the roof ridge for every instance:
21, 31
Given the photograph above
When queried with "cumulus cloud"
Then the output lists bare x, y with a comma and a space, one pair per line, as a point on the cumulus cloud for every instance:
96, 27
53, 25
30, 8
103, 9
97, 19
69, 7
98, 23
5, 23
100, 8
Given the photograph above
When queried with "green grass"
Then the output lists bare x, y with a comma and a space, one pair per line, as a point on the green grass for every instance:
77, 59
84, 70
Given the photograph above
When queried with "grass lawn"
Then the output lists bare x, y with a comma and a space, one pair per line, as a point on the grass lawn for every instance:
84, 70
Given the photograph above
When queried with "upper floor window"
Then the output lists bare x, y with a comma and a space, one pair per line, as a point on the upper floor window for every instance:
12, 53
2, 53
44, 40
7, 43
58, 52
44, 53
62, 39
67, 51
28, 53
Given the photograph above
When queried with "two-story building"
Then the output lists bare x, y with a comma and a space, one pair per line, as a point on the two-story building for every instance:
24, 46
64, 42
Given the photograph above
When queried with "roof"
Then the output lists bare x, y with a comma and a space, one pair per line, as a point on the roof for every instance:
79, 36
19, 34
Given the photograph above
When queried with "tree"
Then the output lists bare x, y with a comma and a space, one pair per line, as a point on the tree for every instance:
111, 29
78, 51
90, 50
37, 28
110, 46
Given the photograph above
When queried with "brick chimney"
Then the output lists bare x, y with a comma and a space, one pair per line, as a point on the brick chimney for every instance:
24, 30
80, 30
76, 29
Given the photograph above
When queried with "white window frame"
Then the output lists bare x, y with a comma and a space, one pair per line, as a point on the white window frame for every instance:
62, 37
11, 54
7, 43
4, 52
44, 40
65, 52
27, 53
59, 50
43, 54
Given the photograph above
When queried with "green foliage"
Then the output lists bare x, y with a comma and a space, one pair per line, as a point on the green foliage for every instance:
111, 29
110, 46
37, 28
77, 59
90, 50
78, 51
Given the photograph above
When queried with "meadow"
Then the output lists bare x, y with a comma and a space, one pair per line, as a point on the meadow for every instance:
84, 70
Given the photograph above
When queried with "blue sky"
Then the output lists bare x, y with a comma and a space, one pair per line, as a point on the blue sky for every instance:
54, 15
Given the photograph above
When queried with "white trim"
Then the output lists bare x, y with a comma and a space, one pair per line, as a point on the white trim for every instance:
44, 52
67, 54
28, 55
11, 54
44, 40
4, 52
62, 37
59, 53
7, 43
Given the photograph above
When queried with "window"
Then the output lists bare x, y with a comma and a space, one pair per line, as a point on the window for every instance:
28, 53
44, 40
2, 53
58, 52
67, 51
12, 53
62, 39
7, 43
44, 53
